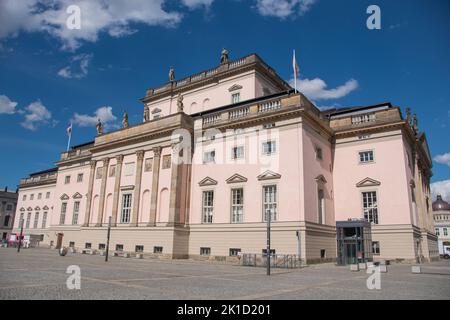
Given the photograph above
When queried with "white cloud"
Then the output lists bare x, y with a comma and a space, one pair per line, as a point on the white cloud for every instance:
105, 115
316, 89
442, 188
443, 159
194, 4
80, 62
6, 105
36, 114
283, 8
111, 16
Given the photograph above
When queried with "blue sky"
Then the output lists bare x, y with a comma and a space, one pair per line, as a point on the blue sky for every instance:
51, 75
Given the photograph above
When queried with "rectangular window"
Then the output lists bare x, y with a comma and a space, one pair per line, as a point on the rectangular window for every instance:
375, 247
36, 220
112, 171
101, 246
209, 156
31, 196
62, 217
99, 173
47, 195
66, 179
71, 244
126, 208
270, 202
235, 97
445, 232
321, 205
24, 197
88, 245
80, 177
370, 206
39, 196
208, 206
76, 211
148, 164
44, 220
264, 252
366, 156
129, 169
139, 248
237, 205
205, 251
21, 220
157, 249
269, 147
319, 153
27, 225
234, 252
237, 152
9, 207
166, 161
6, 221
119, 247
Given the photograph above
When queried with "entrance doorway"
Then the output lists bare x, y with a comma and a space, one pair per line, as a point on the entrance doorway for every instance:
59, 240
354, 241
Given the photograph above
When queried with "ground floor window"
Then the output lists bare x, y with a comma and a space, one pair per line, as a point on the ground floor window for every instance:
376, 247
157, 249
205, 251
264, 252
119, 247
234, 252
71, 244
139, 248
101, 246
88, 245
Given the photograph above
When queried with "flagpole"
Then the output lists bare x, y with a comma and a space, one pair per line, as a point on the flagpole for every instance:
295, 75
70, 136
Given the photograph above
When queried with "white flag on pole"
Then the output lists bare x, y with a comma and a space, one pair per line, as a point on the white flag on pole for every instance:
296, 71
69, 134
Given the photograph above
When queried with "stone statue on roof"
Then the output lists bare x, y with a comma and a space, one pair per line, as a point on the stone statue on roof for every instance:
146, 113
125, 120
171, 74
224, 56
99, 127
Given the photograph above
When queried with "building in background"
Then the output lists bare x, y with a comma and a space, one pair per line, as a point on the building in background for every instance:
441, 215
8, 203
251, 148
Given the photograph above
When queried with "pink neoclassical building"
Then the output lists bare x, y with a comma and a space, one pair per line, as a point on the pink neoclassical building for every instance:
220, 151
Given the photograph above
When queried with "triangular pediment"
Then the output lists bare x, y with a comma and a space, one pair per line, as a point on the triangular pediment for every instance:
268, 175
64, 197
29, 209
207, 182
234, 87
321, 179
77, 195
236, 178
37, 208
368, 182
22, 209
156, 110
44, 208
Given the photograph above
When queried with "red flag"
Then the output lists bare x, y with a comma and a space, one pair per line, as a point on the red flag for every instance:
69, 130
295, 66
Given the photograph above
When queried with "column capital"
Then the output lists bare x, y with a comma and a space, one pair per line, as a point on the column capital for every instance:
93, 163
119, 158
157, 151
105, 161
140, 155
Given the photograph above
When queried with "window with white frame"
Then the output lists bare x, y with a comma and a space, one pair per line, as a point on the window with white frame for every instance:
436, 230
370, 206
129, 169
31, 196
237, 152
47, 195
270, 202
76, 211
36, 220
66, 179
27, 225
62, 217
376, 247
237, 205
39, 196
234, 252
269, 147
208, 206
44, 220
205, 251
24, 197
366, 156
321, 205
80, 177
209, 156
235, 97
445, 231
126, 208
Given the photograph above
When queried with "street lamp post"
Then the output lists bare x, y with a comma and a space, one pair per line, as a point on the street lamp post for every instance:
21, 235
269, 218
107, 239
